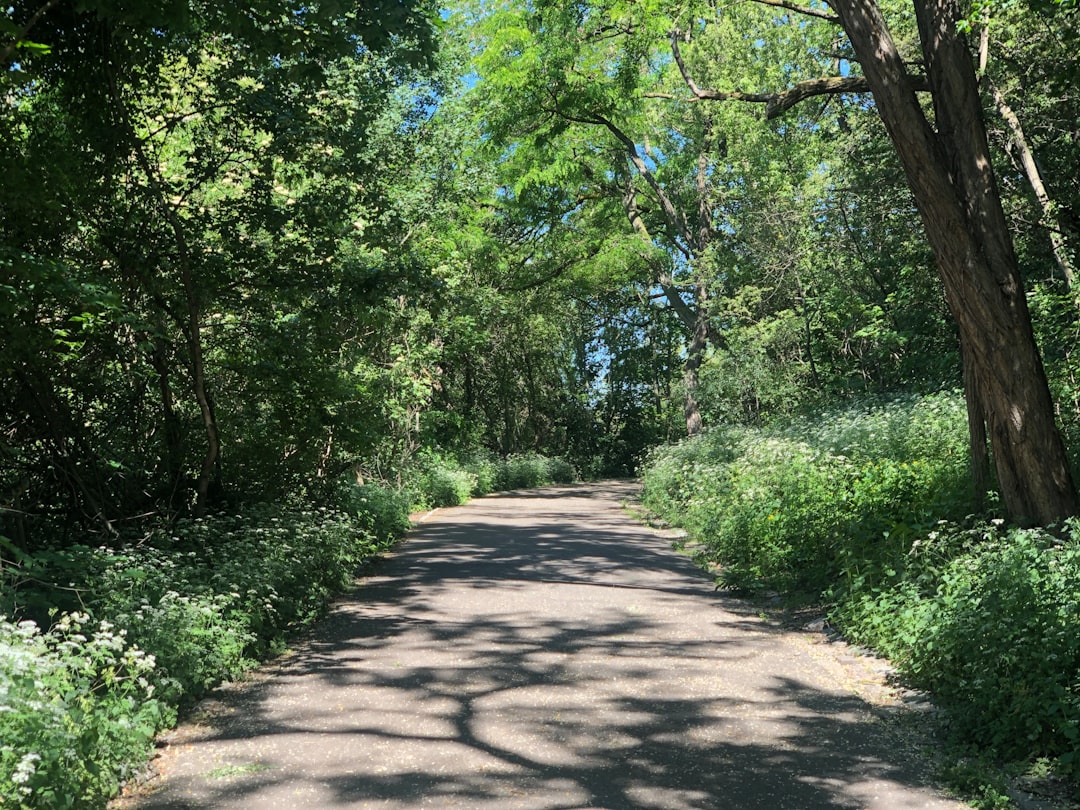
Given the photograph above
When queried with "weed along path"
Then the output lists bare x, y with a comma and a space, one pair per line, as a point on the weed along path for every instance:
540, 650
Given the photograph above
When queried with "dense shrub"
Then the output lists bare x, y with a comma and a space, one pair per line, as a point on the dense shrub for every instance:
179, 612
485, 470
443, 480
434, 479
446, 486
380, 509
799, 506
560, 471
76, 713
987, 620
532, 470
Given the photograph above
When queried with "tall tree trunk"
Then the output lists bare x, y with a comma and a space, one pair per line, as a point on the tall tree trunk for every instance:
695, 354
469, 393
976, 418
696, 234
694, 318
950, 176
172, 435
198, 375
702, 238
808, 333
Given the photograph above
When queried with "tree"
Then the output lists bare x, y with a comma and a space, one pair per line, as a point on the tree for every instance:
1029, 77
581, 139
198, 199
949, 170
950, 173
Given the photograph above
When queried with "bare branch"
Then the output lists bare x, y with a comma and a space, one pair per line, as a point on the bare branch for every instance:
777, 104
827, 86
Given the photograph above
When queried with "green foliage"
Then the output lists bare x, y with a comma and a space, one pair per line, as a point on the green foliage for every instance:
381, 510
838, 496
239, 216
851, 505
179, 612
201, 233
76, 712
531, 470
1056, 318
485, 469
986, 619
437, 479
208, 596
441, 482
979, 781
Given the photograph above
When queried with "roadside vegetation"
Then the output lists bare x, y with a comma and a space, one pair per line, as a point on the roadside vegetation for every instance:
869, 511
139, 630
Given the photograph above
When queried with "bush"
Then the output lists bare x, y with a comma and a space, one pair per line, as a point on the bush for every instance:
436, 480
441, 480
560, 471
987, 620
382, 510
446, 486
210, 596
203, 601
76, 713
485, 470
520, 472
533, 470
838, 497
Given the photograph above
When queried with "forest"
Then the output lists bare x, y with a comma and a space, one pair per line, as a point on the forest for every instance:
274, 275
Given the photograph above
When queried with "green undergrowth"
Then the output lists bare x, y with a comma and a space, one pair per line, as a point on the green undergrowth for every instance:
438, 479
138, 631
869, 510
103, 646
986, 619
803, 505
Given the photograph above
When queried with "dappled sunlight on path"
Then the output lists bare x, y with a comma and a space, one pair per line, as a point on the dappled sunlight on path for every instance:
540, 650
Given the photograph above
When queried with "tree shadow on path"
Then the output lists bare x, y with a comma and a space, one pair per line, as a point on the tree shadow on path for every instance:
557, 657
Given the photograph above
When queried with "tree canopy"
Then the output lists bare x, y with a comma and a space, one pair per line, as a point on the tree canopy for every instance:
247, 251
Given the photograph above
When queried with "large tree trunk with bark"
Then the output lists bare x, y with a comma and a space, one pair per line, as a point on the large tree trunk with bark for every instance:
950, 175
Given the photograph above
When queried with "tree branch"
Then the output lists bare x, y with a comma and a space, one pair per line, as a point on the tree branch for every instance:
805, 10
776, 104
826, 86
20, 37
662, 277
672, 214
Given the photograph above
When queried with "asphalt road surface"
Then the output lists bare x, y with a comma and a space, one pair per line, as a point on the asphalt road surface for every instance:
541, 650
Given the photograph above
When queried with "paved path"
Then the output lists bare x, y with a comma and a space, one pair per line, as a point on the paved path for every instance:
541, 651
